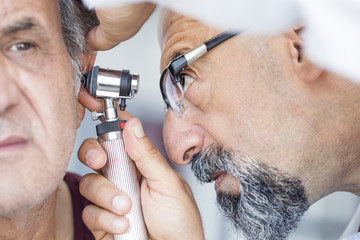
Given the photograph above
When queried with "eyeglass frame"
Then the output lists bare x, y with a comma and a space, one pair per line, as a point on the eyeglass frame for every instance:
177, 65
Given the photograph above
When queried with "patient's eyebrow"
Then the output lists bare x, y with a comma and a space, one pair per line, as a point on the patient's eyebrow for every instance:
24, 24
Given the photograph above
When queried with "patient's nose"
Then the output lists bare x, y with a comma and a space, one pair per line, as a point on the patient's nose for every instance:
9, 91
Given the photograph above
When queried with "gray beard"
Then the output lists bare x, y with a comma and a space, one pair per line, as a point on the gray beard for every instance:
270, 204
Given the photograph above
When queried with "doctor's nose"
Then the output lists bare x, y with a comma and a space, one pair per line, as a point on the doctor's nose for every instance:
183, 139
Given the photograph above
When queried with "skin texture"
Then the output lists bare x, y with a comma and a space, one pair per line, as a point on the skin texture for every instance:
107, 35
263, 101
255, 96
163, 191
40, 113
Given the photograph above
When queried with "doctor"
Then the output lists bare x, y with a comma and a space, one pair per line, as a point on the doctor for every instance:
275, 132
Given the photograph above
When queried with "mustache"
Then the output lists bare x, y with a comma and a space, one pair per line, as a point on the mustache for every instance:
204, 169
270, 203
208, 162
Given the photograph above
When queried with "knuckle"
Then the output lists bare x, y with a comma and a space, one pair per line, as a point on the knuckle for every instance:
178, 179
98, 221
151, 149
84, 184
87, 216
92, 217
98, 190
108, 38
89, 184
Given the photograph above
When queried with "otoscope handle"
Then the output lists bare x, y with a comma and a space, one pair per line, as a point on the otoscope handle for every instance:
121, 172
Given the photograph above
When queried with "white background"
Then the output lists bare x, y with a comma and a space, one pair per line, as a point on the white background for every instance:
324, 221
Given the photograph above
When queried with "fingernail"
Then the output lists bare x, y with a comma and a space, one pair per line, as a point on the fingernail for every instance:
119, 203
138, 130
118, 224
91, 156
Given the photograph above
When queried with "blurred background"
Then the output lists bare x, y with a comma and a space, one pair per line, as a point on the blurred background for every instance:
326, 220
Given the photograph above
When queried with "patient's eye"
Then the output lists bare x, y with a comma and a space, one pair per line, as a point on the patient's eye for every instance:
24, 53
22, 46
186, 81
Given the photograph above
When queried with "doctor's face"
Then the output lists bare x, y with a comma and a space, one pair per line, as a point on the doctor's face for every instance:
38, 105
238, 96
237, 127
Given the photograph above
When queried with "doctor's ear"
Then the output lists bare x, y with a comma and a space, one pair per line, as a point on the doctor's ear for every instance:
305, 69
296, 44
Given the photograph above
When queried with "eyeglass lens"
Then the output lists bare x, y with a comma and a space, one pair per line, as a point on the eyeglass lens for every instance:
174, 93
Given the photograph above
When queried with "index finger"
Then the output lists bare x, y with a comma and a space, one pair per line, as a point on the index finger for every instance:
90, 102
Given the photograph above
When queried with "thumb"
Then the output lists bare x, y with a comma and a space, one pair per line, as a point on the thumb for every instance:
147, 158
99, 40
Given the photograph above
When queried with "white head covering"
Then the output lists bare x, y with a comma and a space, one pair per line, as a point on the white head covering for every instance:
331, 34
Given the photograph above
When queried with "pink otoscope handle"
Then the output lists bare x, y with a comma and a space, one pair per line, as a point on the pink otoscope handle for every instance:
121, 171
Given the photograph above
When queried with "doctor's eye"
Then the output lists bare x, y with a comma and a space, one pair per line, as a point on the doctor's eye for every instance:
22, 46
186, 81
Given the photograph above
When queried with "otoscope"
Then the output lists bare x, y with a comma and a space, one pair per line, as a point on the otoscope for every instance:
113, 86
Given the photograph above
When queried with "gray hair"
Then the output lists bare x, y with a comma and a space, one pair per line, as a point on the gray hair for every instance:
270, 204
76, 22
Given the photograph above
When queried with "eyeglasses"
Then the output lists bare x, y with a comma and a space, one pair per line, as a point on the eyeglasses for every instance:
171, 82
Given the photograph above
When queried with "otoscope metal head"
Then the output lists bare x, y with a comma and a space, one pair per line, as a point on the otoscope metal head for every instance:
111, 84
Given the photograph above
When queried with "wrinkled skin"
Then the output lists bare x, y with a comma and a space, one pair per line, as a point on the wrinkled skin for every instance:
39, 115
252, 95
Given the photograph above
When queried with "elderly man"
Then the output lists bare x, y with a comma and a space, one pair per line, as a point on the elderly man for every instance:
275, 132
42, 43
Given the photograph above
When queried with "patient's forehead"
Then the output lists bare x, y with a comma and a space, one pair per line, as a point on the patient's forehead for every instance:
39, 13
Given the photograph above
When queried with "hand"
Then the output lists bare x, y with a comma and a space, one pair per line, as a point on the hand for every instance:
106, 216
118, 24
169, 209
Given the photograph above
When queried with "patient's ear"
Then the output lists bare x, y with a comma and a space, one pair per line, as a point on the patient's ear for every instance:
87, 62
304, 69
85, 99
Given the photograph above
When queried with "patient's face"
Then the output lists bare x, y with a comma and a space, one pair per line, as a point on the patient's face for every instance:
38, 104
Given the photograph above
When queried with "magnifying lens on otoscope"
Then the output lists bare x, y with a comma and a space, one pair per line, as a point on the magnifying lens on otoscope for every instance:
117, 86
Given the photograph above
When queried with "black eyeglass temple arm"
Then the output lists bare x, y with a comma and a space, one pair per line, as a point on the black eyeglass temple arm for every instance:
210, 44
207, 46
180, 63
